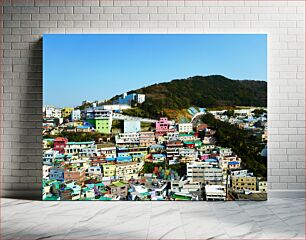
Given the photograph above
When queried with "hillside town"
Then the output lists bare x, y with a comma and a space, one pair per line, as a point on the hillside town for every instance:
134, 158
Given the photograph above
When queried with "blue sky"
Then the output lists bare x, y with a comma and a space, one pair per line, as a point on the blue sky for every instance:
79, 67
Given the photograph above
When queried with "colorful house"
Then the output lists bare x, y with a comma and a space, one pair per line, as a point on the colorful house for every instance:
60, 144
234, 165
56, 174
128, 170
189, 144
119, 189
185, 127
156, 148
66, 112
77, 176
101, 125
244, 183
109, 170
157, 158
162, 126
124, 159
101, 119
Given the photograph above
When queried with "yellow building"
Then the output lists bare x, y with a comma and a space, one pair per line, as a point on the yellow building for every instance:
126, 171
66, 112
109, 170
186, 159
244, 183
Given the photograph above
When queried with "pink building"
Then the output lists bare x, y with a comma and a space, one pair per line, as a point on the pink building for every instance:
204, 157
162, 126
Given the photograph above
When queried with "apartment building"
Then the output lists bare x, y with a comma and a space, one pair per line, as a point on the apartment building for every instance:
215, 193
147, 139
127, 138
185, 127
243, 183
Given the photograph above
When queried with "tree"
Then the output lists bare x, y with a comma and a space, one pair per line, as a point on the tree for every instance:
242, 142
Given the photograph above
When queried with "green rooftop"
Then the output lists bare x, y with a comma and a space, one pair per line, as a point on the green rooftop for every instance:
52, 198
180, 197
119, 184
105, 198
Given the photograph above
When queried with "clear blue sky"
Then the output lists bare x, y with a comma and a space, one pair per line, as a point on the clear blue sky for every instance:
79, 67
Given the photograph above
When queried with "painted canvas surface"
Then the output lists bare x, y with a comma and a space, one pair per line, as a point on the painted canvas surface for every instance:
147, 117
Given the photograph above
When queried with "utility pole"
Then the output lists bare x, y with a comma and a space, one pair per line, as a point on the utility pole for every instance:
227, 172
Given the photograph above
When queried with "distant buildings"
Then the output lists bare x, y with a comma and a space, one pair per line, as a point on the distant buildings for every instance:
147, 139
129, 98
60, 144
119, 189
244, 182
76, 115
106, 150
101, 119
116, 107
185, 127
66, 112
83, 148
52, 112
205, 173
263, 186
162, 126
215, 192
127, 138
171, 162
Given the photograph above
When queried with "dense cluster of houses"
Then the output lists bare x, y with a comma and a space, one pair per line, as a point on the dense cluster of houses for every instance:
172, 161
246, 119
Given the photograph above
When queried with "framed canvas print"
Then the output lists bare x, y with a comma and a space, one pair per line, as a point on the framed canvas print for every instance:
147, 117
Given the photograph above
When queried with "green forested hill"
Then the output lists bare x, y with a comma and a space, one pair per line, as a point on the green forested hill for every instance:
208, 91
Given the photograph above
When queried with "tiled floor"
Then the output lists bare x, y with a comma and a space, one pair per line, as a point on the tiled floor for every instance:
273, 219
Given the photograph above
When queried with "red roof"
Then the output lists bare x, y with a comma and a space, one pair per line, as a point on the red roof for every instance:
60, 139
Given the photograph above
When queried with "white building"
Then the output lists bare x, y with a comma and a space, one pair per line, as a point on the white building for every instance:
95, 170
147, 138
140, 98
48, 111
131, 126
128, 98
263, 186
46, 172
191, 187
215, 192
185, 127
225, 151
98, 113
57, 113
49, 156
188, 152
108, 152
186, 137
204, 172
131, 138
224, 160
79, 147
89, 151
52, 112
172, 136
76, 115
241, 173
116, 107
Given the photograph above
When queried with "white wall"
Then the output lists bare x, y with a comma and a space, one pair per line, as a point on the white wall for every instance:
24, 22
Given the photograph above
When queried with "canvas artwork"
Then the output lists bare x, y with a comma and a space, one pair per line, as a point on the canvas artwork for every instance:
147, 117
